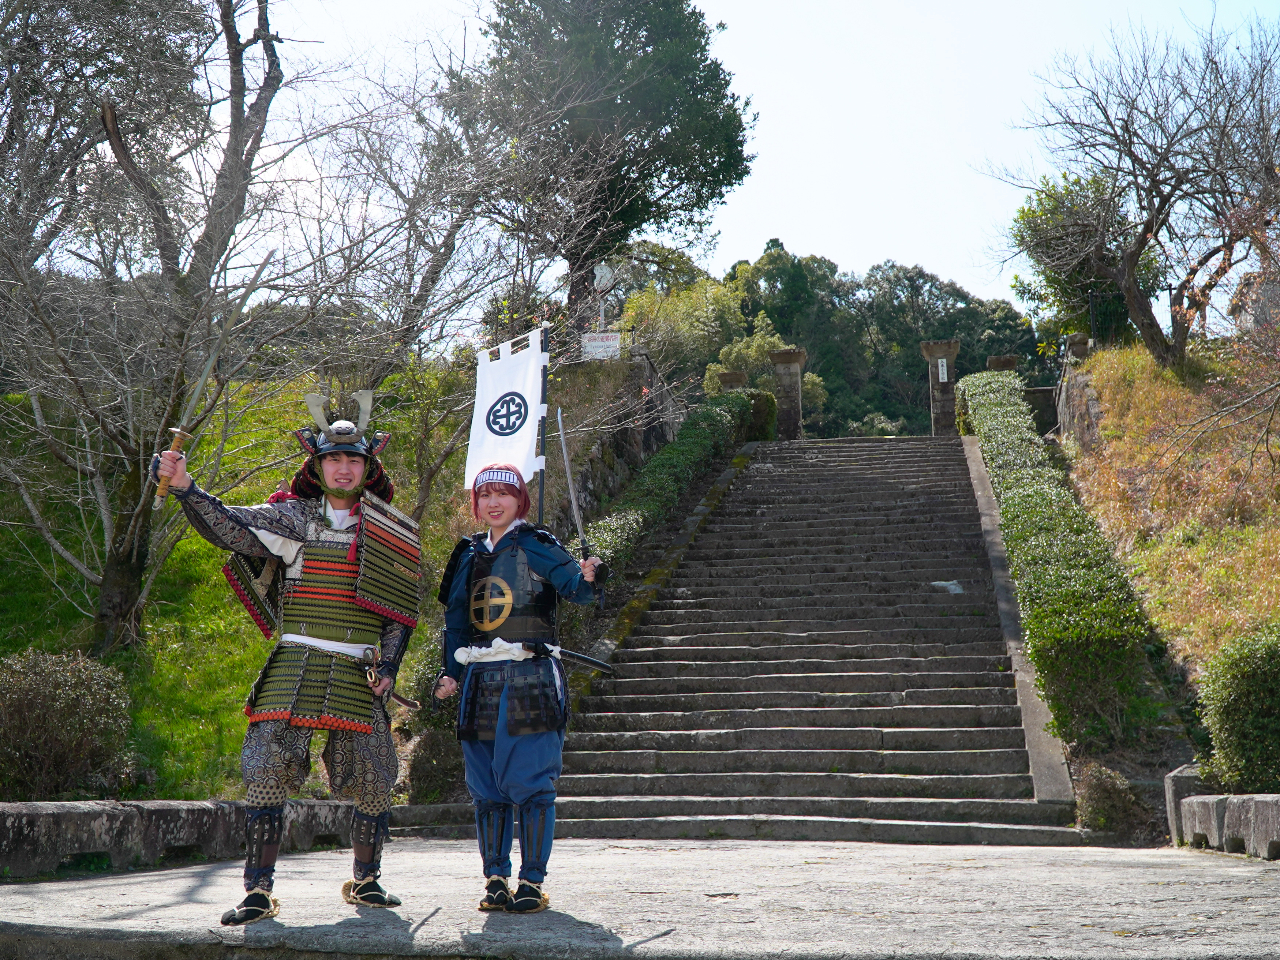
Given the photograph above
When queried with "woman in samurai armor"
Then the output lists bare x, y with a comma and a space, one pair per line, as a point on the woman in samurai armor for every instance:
501, 589
331, 570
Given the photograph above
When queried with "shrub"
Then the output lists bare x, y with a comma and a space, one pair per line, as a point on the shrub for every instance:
1083, 625
709, 430
1105, 801
1240, 702
64, 726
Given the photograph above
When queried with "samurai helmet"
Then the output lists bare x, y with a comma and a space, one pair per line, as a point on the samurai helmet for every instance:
341, 436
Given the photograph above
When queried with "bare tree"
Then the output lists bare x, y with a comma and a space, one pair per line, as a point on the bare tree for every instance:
116, 278
1173, 149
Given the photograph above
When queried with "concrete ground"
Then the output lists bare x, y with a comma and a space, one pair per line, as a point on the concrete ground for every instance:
684, 899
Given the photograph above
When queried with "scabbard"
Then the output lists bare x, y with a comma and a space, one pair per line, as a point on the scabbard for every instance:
583, 659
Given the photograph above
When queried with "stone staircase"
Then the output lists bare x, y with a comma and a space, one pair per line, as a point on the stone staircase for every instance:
826, 663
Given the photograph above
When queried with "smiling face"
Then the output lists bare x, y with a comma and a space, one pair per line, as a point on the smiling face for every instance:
342, 471
498, 507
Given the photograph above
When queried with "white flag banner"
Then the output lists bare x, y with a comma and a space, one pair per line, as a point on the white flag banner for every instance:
508, 411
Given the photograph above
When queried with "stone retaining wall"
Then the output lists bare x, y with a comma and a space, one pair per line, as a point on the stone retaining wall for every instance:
1249, 823
615, 456
1079, 409
36, 837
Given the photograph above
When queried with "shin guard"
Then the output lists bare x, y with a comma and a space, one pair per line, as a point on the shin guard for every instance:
537, 829
367, 831
263, 828
495, 825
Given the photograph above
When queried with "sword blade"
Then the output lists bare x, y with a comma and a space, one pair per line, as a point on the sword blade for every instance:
229, 321
573, 496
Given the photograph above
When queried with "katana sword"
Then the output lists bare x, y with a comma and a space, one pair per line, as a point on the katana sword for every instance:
602, 571
181, 433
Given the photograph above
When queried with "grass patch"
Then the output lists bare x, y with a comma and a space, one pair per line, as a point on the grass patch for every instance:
1200, 533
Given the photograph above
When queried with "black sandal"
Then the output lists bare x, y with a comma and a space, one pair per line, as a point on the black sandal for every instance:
529, 898
369, 893
496, 894
258, 904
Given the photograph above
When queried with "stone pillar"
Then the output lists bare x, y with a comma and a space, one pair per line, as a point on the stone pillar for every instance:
732, 380
941, 355
1077, 345
788, 367
1008, 361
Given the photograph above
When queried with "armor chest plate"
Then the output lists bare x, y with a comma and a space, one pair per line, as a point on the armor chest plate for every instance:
322, 602
508, 600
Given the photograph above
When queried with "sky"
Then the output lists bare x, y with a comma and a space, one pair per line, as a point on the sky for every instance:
878, 122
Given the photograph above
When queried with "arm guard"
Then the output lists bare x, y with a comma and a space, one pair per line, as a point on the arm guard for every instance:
549, 559
231, 527
395, 641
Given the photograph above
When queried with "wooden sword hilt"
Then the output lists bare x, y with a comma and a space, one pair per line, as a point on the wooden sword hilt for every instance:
180, 437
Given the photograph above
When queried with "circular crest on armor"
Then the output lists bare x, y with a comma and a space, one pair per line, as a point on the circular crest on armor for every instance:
508, 414
491, 600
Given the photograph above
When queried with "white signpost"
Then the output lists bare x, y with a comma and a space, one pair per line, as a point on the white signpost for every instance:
601, 346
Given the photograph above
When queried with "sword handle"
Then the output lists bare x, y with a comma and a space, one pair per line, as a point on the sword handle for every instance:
180, 437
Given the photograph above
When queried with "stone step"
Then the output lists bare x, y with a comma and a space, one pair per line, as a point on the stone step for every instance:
961, 563
972, 715
835, 543
808, 682
406, 819
768, 523
907, 642
1004, 786
784, 827
929, 603
816, 587
780, 699
713, 671
960, 566
921, 762
785, 654
664, 623
803, 738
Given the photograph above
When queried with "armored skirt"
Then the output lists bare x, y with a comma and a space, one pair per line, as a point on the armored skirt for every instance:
313, 688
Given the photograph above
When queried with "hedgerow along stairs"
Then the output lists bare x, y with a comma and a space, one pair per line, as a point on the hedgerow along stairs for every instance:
826, 663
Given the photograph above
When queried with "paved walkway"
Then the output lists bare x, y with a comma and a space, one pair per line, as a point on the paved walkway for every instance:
689, 899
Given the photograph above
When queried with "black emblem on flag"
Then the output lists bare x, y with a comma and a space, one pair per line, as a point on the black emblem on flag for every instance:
507, 415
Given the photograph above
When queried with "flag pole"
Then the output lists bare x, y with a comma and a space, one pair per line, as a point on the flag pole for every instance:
542, 428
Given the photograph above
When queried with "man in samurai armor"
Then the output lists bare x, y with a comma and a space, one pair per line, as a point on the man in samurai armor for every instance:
332, 570
500, 589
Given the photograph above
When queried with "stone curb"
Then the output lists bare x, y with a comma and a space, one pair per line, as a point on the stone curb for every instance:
1249, 823
658, 577
36, 837
1050, 777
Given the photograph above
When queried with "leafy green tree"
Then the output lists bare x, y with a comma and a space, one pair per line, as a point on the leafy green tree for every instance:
863, 333
686, 327
637, 109
1074, 289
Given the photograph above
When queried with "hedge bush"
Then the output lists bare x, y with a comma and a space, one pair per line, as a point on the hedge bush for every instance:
710, 429
1085, 630
64, 727
1240, 703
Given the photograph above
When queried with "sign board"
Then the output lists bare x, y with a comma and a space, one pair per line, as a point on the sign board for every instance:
601, 346
942, 369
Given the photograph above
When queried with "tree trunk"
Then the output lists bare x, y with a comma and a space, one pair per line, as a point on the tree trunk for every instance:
119, 619
1166, 352
581, 307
